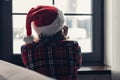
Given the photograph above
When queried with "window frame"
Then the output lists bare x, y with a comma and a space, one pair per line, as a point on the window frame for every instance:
89, 59
1, 31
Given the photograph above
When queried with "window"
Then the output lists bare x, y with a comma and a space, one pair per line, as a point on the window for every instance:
80, 23
83, 17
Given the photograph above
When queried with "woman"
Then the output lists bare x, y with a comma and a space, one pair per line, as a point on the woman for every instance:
52, 55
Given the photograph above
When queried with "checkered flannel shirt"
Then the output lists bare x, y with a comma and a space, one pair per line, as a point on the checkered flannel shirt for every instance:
56, 59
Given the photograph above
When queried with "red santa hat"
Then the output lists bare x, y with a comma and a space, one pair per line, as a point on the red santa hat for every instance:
46, 20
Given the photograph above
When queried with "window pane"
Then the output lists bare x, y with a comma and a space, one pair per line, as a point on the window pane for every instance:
18, 32
23, 6
80, 29
75, 6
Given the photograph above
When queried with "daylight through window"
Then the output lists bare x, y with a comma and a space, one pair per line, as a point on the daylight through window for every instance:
78, 17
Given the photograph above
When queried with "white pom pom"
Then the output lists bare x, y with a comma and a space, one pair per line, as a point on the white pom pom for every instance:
28, 39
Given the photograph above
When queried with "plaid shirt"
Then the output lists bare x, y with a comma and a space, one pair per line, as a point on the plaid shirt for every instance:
57, 59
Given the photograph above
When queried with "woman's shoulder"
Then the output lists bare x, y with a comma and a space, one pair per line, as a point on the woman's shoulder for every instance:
69, 42
26, 46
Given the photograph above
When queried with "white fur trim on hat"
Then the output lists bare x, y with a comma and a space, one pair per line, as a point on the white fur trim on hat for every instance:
51, 29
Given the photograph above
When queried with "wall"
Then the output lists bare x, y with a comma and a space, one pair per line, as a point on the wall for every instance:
116, 40
112, 36
108, 32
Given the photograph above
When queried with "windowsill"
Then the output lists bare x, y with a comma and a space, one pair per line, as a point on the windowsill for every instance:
95, 70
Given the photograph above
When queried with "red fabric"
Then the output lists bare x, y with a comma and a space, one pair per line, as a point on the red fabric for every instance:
42, 16
56, 59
